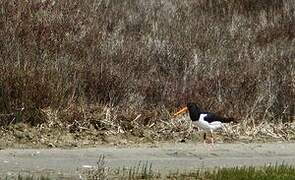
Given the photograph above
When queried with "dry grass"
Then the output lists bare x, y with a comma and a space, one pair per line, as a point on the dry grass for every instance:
120, 67
106, 127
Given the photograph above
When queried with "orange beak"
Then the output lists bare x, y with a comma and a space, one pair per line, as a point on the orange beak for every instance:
183, 110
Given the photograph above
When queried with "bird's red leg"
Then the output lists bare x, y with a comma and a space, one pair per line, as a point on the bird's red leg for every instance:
212, 139
204, 138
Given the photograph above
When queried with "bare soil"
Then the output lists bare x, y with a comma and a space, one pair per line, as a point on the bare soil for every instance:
72, 163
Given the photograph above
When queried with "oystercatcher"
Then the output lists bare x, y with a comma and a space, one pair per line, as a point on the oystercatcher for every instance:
207, 121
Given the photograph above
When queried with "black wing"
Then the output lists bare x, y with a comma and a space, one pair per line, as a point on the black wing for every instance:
211, 117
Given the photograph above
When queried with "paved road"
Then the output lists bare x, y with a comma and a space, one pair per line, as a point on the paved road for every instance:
164, 157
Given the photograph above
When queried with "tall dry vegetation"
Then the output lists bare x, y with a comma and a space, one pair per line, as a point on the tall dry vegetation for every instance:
235, 57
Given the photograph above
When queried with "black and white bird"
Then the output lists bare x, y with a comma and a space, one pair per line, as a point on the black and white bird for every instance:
207, 121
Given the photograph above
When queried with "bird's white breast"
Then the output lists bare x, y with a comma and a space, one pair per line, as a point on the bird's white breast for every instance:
206, 125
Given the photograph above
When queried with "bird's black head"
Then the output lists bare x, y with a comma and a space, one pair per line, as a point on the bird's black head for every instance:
194, 111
